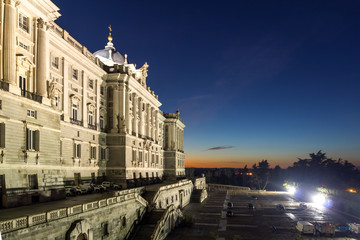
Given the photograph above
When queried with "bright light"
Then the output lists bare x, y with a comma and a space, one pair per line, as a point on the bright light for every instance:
351, 190
291, 190
319, 199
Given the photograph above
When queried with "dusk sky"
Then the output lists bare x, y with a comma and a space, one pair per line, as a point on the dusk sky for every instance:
252, 79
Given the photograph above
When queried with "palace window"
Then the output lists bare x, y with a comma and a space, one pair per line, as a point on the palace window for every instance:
32, 140
56, 100
91, 84
2, 135
22, 85
31, 113
23, 22
101, 122
91, 117
74, 111
33, 181
140, 156
134, 155
93, 152
77, 150
75, 73
103, 153
54, 62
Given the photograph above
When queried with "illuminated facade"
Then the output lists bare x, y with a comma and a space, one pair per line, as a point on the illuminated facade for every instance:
67, 115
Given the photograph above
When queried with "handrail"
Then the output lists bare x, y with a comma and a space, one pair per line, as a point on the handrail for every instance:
38, 218
160, 224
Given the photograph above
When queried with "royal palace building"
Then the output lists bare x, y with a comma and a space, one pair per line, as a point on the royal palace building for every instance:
68, 115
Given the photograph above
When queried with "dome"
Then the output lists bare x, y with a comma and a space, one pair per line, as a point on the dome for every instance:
109, 56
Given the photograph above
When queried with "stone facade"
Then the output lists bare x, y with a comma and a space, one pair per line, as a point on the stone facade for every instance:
67, 115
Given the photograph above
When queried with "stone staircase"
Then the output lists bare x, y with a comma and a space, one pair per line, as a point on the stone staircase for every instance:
149, 196
196, 196
148, 225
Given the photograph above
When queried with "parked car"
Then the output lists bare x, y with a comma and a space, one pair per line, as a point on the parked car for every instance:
86, 186
111, 185
98, 188
303, 205
305, 227
80, 190
280, 206
70, 191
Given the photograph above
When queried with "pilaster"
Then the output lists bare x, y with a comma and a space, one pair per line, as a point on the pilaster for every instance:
135, 113
10, 42
84, 102
115, 111
127, 110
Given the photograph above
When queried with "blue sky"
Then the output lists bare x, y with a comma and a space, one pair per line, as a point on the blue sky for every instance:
272, 80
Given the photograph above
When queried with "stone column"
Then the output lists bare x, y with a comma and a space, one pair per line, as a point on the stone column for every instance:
182, 140
156, 126
127, 110
115, 110
135, 112
85, 110
66, 102
42, 59
148, 123
9, 42
141, 116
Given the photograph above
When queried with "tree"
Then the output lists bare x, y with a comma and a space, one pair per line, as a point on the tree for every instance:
261, 174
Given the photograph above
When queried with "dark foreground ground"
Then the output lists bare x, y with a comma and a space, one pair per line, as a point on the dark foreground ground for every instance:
210, 221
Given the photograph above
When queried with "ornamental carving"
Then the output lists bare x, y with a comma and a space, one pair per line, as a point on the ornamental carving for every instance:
144, 70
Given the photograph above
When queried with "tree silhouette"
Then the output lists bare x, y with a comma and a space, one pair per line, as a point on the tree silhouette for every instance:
261, 174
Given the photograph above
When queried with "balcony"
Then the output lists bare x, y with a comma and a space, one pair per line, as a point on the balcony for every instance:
93, 127
4, 86
76, 122
31, 96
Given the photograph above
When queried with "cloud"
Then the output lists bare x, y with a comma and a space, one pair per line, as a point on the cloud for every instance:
219, 148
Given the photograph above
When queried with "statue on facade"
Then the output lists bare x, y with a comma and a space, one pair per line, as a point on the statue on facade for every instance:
121, 124
144, 70
52, 90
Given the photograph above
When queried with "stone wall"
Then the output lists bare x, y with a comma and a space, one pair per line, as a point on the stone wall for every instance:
110, 218
177, 194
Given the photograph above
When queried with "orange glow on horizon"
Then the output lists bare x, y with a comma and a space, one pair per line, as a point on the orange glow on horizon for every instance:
200, 162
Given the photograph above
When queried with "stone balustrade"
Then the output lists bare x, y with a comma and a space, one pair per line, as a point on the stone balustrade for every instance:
220, 187
31, 220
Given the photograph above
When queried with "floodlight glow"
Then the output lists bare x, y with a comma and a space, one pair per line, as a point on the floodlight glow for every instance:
319, 199
291, 190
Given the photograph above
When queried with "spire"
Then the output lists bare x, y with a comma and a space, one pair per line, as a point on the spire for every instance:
110, 38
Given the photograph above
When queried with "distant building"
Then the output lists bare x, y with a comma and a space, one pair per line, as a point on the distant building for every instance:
67, 115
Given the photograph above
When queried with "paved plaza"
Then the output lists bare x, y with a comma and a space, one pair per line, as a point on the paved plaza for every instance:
210, 220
